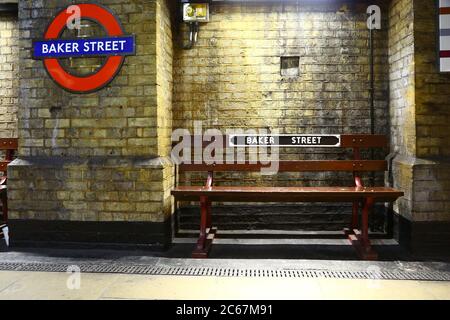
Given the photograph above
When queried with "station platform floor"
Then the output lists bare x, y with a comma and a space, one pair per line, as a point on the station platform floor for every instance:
52, 286
250, 274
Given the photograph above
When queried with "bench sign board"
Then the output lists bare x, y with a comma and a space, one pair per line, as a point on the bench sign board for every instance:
114, 46
299, 141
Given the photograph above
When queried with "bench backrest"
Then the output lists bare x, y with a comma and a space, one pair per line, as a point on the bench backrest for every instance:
355, 142
9, 146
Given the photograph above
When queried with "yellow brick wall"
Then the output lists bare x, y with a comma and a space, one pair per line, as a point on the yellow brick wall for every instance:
165, 14
402, 77
164, 79
232, 79
419, 103
89, 190
419, 95
432, 88
115, 121
9, 74
432, 172
402, 100
100, 156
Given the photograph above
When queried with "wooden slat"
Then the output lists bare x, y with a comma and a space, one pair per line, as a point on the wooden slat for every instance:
9, 144
286, 194
347, 141
364, 141
444, 10
293, 166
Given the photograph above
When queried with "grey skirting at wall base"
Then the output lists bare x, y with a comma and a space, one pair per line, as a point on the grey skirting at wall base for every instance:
423, 238
77, 234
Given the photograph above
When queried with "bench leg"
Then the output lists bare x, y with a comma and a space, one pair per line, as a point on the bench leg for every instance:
209, 214
355, 219
360, 239
207, 233
355, 216
365, 221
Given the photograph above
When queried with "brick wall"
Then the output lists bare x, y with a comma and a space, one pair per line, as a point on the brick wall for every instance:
401, 75
164, 88
108, 123
164, 77
432, 88
9, 74
419, 111
419, 101
432, 173
101, 158
98, 157
402, 99
87, 190
232, 77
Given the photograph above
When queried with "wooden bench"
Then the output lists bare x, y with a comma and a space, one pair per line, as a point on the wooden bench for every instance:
358, 233
9, 147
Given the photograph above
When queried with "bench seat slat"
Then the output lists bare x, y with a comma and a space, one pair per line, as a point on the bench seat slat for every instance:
364, 141
288, 194
293, 166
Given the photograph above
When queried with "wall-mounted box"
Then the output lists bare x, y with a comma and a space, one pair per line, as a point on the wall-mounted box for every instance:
196, 12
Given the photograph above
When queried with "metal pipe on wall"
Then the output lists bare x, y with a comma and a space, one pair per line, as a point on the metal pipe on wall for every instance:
372, 81
372, 95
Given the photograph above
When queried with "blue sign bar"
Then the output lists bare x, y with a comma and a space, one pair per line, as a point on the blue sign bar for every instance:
62, 48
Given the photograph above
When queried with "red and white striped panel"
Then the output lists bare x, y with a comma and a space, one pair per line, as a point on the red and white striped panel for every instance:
444, 35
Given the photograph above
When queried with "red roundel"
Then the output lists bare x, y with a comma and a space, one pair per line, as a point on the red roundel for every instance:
106, 73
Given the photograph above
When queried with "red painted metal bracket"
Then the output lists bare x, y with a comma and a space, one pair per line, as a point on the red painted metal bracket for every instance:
360, 238
207, 232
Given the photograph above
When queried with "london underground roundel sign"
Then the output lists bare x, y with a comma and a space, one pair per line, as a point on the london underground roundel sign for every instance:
115, 46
